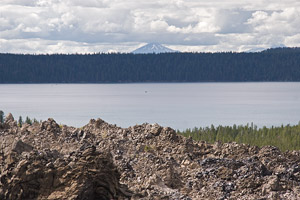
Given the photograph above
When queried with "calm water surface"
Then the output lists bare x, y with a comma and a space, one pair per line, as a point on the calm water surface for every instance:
178, 105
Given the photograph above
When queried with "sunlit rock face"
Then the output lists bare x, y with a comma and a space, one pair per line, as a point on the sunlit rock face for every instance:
102, 161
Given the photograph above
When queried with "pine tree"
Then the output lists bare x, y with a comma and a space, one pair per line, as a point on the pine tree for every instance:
35, 121
20, 121
28, 121
1, 116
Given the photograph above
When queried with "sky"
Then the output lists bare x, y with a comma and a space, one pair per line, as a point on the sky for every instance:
91, 26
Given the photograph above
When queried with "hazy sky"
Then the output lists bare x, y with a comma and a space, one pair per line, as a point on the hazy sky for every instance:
69, 26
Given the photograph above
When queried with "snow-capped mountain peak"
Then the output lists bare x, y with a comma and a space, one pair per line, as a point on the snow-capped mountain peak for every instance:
153, 48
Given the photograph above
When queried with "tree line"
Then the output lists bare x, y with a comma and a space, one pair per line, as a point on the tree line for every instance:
20, 121
281, 64
284, 137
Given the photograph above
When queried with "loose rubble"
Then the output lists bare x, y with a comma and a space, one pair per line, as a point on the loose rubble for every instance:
103, 161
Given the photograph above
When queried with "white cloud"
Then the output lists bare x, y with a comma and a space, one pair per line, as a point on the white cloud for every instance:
293, 40
158, 26
285, 22
46, 26
40, 46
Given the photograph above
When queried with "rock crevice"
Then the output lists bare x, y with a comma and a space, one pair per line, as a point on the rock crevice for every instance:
103, 161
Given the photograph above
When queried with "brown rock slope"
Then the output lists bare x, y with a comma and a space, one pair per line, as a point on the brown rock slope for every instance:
102, 161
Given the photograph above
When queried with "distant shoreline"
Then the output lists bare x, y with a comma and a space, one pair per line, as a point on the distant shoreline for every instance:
121, 83
273, 65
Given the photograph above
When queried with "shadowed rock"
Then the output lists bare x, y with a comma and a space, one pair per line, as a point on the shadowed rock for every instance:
103, 161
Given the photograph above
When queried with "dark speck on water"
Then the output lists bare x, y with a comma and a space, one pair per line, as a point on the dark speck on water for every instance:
178, 105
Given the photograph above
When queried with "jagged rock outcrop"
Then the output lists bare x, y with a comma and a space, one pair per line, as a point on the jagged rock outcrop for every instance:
103, 161
30, 170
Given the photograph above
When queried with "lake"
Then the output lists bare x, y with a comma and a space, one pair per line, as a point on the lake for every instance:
178, 105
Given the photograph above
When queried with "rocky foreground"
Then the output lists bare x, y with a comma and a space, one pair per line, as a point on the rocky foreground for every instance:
103, 161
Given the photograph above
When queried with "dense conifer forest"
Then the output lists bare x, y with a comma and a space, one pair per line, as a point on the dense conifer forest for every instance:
284, 137
281, 64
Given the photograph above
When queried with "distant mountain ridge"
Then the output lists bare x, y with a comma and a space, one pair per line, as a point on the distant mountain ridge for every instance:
153, 48
284, 50
281, 64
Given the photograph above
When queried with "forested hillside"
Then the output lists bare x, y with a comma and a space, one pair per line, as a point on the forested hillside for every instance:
284, 137
281, 64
